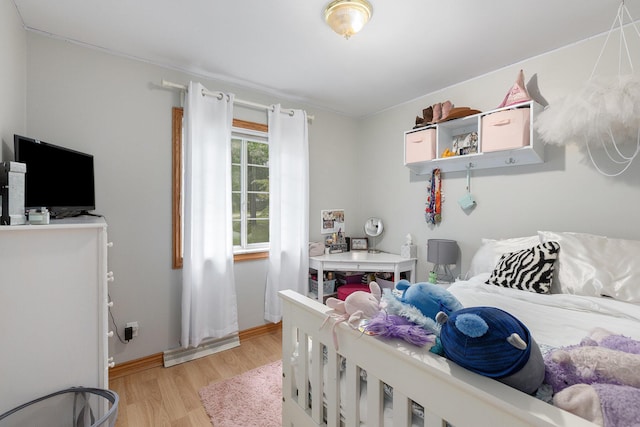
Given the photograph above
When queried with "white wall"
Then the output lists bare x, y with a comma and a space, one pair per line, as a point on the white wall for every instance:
565, 193
13, 78
115, 109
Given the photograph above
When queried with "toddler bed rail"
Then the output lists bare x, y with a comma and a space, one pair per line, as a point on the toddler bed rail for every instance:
312, 394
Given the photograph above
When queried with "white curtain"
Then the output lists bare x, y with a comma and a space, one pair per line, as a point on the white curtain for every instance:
288, 208
209, 307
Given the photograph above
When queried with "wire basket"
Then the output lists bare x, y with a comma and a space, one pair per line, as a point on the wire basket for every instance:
72, 407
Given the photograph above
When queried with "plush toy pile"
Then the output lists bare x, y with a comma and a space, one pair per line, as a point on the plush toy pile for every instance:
599, 379
486, 340
361, 305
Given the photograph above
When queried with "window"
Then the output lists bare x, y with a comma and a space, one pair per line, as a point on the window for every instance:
250, 189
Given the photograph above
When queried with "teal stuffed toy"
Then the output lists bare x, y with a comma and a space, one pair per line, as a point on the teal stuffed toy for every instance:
420, 303
493, 343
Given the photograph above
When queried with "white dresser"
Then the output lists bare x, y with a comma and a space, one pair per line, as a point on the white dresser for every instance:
53, 308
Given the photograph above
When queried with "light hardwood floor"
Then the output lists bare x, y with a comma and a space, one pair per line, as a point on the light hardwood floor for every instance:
159, 397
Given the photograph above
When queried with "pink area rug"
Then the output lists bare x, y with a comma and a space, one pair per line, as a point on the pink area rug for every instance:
250, 399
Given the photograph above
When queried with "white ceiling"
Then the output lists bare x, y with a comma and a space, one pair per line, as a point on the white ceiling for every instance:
410, 47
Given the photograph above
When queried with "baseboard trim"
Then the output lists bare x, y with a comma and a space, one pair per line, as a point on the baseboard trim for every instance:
260, 330
137, 365
157, 360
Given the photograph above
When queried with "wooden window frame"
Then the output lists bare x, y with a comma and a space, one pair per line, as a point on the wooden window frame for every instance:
177, 114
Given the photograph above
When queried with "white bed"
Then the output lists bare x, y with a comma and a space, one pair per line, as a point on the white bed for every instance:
313, 396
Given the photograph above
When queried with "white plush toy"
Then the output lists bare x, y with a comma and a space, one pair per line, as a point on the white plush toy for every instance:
356, 307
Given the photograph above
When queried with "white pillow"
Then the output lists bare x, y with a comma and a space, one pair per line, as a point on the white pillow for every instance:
596, 265
487, 256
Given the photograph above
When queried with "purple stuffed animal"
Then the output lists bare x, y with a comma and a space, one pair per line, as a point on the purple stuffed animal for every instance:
600, 358
392, 326
597, 380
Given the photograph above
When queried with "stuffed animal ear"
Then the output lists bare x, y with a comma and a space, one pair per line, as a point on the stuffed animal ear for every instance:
598, 334
336, 304
561, 356
375, 290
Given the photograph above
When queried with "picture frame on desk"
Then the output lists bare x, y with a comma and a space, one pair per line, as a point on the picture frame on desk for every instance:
359, 243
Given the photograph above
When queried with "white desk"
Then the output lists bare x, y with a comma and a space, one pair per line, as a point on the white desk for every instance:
361, 261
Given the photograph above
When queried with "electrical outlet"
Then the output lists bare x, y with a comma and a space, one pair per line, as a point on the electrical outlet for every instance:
134, 328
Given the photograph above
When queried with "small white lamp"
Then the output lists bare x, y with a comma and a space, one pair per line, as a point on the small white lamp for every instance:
442, 253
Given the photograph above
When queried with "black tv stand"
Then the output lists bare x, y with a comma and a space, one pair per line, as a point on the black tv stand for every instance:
73, 214
86, 213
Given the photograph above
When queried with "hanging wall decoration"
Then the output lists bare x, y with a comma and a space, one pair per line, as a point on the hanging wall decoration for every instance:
467, 202
605, 111
433, 211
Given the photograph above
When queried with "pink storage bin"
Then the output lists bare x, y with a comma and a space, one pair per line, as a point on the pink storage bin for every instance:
420, 146
505, 130
345, 290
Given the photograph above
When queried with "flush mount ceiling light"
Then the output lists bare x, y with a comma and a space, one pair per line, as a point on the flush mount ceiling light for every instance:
347, 17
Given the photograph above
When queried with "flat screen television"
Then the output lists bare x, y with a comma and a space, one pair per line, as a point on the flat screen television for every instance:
57, 178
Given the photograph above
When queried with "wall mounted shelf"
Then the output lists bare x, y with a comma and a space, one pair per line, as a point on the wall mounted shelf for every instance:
505, 137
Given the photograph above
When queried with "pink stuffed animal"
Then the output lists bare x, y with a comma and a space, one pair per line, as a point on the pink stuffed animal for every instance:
357, 306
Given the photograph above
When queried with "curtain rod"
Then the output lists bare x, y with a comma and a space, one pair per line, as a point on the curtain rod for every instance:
249, 104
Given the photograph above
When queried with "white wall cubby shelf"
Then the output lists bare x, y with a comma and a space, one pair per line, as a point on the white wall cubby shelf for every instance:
424, 147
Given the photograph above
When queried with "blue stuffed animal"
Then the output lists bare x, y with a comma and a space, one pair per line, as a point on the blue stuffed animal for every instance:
420, 303
493, 343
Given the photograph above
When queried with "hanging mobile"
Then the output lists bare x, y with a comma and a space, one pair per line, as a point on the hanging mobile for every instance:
603, 114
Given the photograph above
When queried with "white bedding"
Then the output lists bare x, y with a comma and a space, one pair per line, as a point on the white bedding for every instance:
553, 319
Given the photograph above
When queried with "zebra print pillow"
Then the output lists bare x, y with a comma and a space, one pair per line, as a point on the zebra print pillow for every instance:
528, 270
